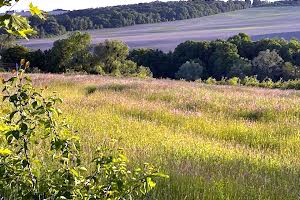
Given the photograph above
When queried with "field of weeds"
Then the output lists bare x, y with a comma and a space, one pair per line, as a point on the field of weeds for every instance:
215, 142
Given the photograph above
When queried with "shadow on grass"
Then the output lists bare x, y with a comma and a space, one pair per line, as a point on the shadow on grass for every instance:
114, 87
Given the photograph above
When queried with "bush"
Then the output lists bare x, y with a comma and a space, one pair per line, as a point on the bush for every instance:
144, 72
251, 81
190, 71
223, 81
211, 81
234, 81
292, 84
96, 70
267, 83
278, 84
33, 120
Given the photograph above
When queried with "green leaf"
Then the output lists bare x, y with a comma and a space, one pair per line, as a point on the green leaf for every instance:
74, 172
14, 133
16, 25
34, 10
5, 152
83, 169
11, 116
151, 183
158, 174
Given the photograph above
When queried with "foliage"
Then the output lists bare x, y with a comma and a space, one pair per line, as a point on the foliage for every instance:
190, 71
111, 53
238, 56
251, 81
254, 82
112, 56
267, 63
57, 172
211, 81
15, 24
159, 62
234, 81
70, 54
11, 54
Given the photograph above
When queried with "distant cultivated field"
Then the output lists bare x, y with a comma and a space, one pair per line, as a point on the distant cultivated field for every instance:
258, 22
215, 142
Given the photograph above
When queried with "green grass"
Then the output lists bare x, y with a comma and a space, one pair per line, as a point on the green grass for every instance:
215, 142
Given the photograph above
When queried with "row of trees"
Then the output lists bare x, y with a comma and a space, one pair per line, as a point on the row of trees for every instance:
127, 15
238, 56
264, 3
76, 54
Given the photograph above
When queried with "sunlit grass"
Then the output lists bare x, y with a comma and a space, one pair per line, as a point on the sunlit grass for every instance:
215, 142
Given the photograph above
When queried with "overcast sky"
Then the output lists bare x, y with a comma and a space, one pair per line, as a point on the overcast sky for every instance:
48, 5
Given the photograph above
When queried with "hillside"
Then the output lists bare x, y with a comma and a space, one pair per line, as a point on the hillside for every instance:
257, 22
215, 142
132, 14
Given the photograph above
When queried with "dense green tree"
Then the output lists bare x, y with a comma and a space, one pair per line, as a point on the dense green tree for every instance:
70, 53
224, 55
241, 68
110, 53
267, 64
190, 50
190, 71
244, 44
37, 59
289, 71
160, 63
14, 54
52, 27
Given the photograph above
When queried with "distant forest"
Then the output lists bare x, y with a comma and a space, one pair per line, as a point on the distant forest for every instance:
259, 3
127, 15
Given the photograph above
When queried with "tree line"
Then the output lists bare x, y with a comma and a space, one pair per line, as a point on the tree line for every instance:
238, 56
127, 15
263, 3
75, 54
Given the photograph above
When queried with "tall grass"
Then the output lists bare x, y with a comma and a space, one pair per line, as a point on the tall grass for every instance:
215, 142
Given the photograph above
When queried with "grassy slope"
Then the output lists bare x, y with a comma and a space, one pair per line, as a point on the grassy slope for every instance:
215, 142
258, 22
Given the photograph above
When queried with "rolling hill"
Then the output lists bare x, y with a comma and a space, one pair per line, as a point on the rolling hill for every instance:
257, 22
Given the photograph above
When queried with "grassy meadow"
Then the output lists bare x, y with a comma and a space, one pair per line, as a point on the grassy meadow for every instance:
215, 142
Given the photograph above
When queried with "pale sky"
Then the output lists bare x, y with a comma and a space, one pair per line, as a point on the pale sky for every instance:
48, 5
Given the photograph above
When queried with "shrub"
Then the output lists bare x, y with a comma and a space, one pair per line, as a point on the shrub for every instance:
223, 81
144, 72
292, 84
97, 70
90, 90
24, 174
190, 71
211, 81
267, 83
251, 81
234, 81
278, 84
